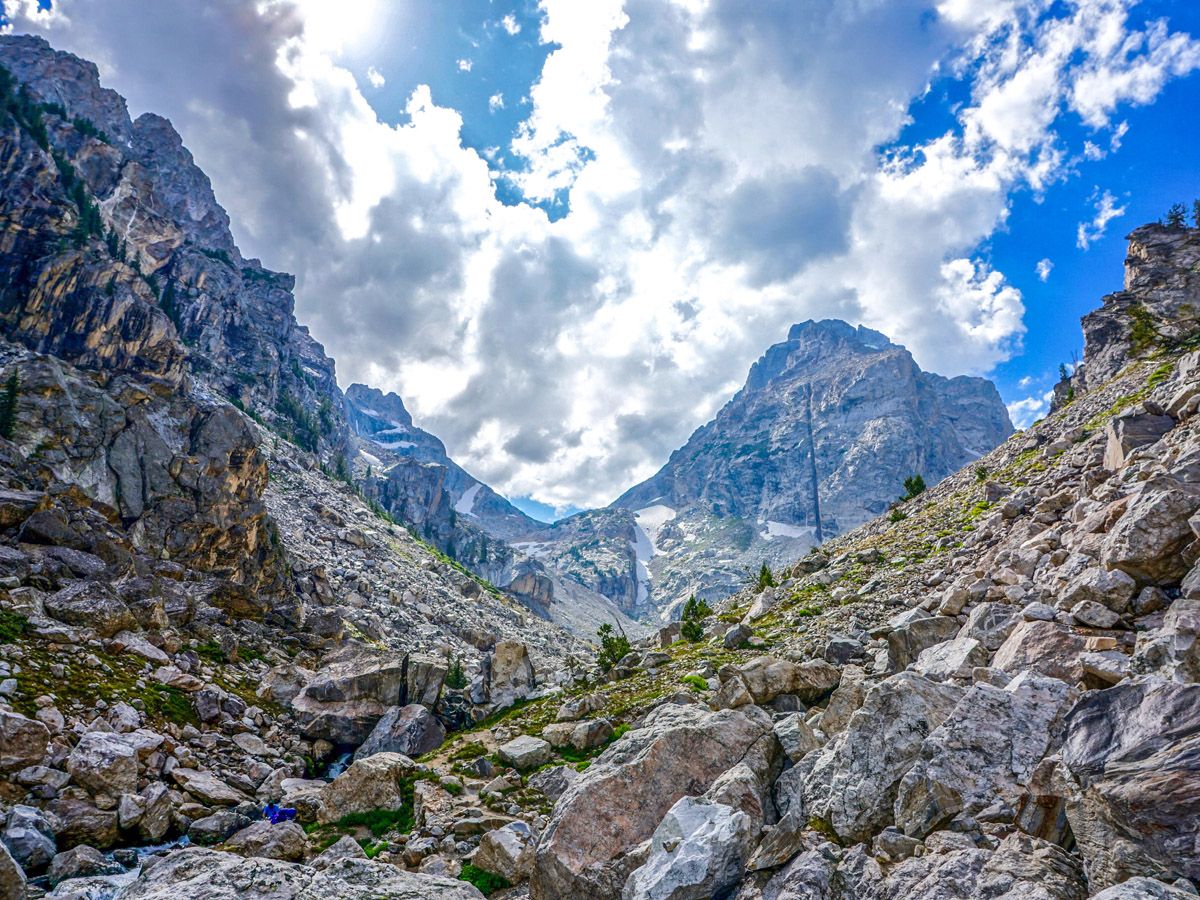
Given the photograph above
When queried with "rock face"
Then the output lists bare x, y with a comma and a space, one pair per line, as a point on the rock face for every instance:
742, 489
411, 730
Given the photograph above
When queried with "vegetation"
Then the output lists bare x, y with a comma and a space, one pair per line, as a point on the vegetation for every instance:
456, 678
613, 646
303, 426
913, 485
765, 578
17, 102
12, 626
486, 882
897, 515
981, 473
691, 622
1176, 216
1142, 333
8, 405
695, 682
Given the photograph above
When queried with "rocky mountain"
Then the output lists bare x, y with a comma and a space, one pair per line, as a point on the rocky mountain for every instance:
818, 441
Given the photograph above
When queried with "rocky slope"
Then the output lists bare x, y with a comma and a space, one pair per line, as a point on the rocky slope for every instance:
818, 441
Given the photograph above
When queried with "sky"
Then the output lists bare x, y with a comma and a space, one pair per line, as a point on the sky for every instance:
563, 231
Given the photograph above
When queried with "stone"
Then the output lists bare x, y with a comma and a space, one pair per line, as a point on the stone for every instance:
951, 659
553, 782
904, 644
411, 730
579, 707
591, 734
12, 878
796, 736
1093, 615
1048, 648
216, 828
618, 802
991, 624
766, 677
737, 635
344, 847
696, 852
508, 852
91, 604
23, 741
1149, 540
1173, 649
200, 874
510, 674
104, 764
81, 822
283, 841
374, 782
29, 836
854, 779
423, 682
344, 700
841, 649
129, 642
846, 698
1129, 431
525, 752
985, 752
207, 788
1145, 889
1129, 757
80, 862
1113, 589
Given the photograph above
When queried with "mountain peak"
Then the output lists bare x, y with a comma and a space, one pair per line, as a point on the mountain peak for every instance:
837, 330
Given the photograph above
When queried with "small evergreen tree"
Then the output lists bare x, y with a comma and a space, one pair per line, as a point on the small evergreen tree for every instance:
913, 485
1196, 213
765, 578
694, 612
8, 405
456, 678
1177, 216
613, 646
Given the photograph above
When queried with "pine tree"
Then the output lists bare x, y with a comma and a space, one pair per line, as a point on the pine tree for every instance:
765, 578
1196, 213
1177, 216
913, 485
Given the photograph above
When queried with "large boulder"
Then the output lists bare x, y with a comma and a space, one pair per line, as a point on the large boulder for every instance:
766, 677
509, 673
1130, 761
23, 741
423, 681
375, 782
91, 604
410, 730
1173, 649
213, 875
1145, 889
524, 752
697, 852
344, 700
618, 802
207, 788
1131, 430
1047, 648
12, 878
1149, 540
905, 643
104, 764
283, 841
507, 852
854, 780
29, 836
80, 862
984, 753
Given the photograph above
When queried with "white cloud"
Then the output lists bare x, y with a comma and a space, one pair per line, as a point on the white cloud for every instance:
1087, 233
1028, 410
1044, 267
510, 24
375, 77
465, 65
722, 186
495, 102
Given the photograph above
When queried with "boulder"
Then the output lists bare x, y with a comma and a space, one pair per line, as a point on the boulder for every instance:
423, 681
1173, 649
23, 741
846, 698
697, 851
216, 828
91, 604
411, 730
619, 801
905, 643
525, 752
984, 753
951, 659
854, 779
82, 822
1130, 430
591, 734
1047, 648
156, 812
553, 782
207, 788
1129, 758
29, 836
1145, 889
1149, 539
283, 841
510, 675
200, 874
1094, 615
579, 707
766, 677
345, 699
507, 852
80, 862
991, 624
1113, 589
796, 736
375, 782
12, 878
104, 764
344, 847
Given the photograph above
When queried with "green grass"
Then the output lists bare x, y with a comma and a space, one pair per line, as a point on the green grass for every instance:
486, 882
695, 681
12, 626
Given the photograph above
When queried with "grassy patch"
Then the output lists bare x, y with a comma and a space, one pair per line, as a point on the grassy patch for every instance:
12, 626
695, 682
486, 882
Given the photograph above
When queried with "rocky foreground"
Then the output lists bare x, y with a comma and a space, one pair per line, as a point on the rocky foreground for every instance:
224, 673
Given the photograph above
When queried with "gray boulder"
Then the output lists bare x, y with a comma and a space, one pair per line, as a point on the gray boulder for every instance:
80, 862
286, 840
411, 730
23, 741
29, 836
12, 878
1145, 889
104, 764
507, 852
905, 643
525, 752
697, 852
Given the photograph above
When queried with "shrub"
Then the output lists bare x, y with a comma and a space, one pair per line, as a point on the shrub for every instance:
695, 682
897, 515
12, 626
694, 611
8, 405
765, 578
981, 473
1177, 216
486, 882
913, 485
613, 646
456, 678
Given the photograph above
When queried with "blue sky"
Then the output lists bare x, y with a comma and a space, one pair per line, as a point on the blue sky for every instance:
563, 231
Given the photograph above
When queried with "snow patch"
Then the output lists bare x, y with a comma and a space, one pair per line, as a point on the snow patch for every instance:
467, 501
782, 529
651, 519
370, 458
395, 445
